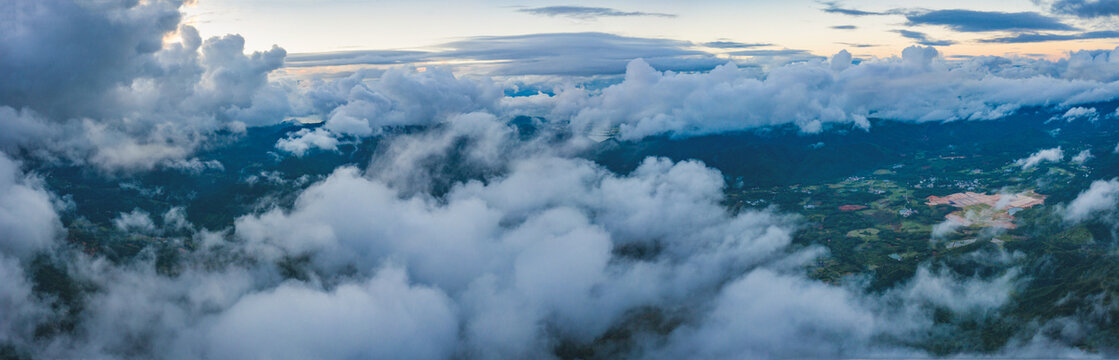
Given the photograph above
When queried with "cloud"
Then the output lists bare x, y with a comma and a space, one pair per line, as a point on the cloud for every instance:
524, 248
400, 97
497, 251
845, 27
836, 8
769, 53
815, 94
27, 212
835, 91
366, 57
464, 236
382, 317
576, 54
1079, 112
137, 220
584, 12
947, 227
1036, 37
856, 45
299, 142
734, 45
792, 309
923, 39
95, 83
1082, 157
1086, 8
1041, 156
982, 21
1101, 198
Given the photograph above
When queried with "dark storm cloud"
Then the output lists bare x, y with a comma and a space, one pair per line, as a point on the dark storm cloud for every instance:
1034, 37
1087, 8
584, 12
921, 38
980, 21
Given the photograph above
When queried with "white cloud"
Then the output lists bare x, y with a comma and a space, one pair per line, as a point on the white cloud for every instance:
383, 317
302, 141
1102, 197
136, 220
28, 220
544, 249
113, 94
20, 312
1082, 156
945, 228
814, 93
825, 321
1035, 159
175, 219
1091, 114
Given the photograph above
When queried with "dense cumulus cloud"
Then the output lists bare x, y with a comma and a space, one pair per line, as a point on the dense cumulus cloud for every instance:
552, 250
95, 82
812, 94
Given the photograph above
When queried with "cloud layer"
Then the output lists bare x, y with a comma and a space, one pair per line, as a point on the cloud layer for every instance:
585, 12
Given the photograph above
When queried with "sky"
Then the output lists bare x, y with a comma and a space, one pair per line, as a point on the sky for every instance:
871, 27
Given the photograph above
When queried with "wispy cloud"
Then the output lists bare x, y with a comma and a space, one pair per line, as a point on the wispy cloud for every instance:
964, 20
1087, 8
836, 8
734, 45
980, 21
857, 45
1035, 37
845, 27
921, 38
366, 57
782, 52
585, 12
587, 53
